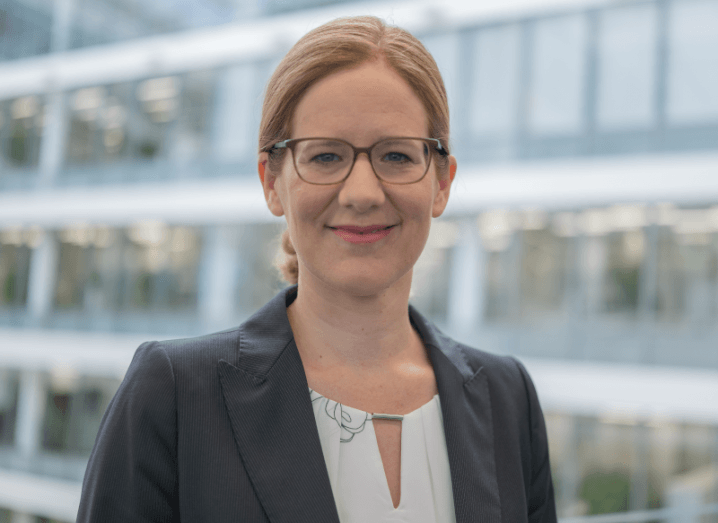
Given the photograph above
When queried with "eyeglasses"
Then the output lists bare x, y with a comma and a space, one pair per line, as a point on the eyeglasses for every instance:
326, 161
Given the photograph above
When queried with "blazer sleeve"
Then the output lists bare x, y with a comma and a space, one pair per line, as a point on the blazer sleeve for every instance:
540, 492
132, 471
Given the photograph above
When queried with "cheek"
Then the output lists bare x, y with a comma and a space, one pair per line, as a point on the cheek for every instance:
305, 207
416, 205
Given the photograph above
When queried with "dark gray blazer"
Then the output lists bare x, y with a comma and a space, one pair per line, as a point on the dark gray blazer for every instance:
220, 428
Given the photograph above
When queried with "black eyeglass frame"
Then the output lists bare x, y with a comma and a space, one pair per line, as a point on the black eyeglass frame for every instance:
434, 145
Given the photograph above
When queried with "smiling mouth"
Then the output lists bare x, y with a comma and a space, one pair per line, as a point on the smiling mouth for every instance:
362, 233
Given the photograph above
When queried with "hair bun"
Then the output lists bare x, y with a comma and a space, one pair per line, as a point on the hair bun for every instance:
286, 260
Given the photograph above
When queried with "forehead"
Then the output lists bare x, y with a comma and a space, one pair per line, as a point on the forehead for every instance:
369, 100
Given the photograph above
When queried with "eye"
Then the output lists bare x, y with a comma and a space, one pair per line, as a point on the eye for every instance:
396, 157
326, 158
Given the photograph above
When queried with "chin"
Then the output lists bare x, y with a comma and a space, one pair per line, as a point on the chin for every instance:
366, 283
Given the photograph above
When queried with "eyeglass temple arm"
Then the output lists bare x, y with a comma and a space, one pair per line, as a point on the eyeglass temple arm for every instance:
439, 147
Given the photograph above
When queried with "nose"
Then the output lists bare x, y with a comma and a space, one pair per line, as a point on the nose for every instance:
362, 189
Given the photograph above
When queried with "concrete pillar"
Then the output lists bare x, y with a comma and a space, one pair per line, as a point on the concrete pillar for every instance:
41, 281
575, 299
638, 498
466, 294
648, 294
30, 412
570, 472
62, 14
217, 277
52, 148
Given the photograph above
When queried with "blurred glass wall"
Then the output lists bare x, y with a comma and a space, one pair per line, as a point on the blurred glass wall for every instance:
581, 236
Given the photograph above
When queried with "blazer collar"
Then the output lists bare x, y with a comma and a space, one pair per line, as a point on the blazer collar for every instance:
266, 394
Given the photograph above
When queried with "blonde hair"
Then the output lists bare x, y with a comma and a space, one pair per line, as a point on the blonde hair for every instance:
342, 44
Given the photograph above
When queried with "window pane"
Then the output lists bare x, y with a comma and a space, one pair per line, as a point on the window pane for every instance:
430, 281
445, 50
257, 279
14, 266
626, 66
73, 270
25, 29
98, 124
151, 266
8, 406
22, 121
196, 103
625, 251
159, 105
688, 268
160, 266
236, 101
543, 271
558, 75
495, 81
693, 62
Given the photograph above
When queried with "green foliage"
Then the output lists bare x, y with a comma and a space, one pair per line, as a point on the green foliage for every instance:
9, 290
606, 492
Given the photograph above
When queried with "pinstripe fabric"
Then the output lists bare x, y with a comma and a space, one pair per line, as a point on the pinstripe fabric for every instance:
220, 428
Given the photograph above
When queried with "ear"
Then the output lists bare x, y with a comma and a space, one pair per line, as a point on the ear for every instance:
268, 179
442, 196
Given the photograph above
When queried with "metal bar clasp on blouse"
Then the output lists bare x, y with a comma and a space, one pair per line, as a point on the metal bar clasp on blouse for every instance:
397, 417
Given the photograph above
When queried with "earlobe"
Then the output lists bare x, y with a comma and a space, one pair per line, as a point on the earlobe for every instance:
270, 193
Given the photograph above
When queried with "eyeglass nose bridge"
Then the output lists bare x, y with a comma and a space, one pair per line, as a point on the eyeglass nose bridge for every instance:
357, 152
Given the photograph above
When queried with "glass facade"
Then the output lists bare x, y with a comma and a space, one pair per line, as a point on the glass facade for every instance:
8, 407
15, 250
633, 79
72, 415
629, 282
21, 129
607, 465
112, 278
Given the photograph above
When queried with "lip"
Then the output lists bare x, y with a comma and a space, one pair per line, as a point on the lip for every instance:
348, 234
360, 230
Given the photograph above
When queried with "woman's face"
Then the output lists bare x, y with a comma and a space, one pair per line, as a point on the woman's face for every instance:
361, 106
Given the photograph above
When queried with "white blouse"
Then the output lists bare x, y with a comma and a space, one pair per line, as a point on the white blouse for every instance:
356, 472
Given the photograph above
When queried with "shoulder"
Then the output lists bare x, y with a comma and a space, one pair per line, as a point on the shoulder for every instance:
508, 383
507, 377
206, 349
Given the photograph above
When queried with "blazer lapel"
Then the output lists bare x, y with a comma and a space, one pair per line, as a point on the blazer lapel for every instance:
267, 398
468, 426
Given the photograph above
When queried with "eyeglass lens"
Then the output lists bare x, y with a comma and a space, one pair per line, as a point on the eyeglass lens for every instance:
402, 160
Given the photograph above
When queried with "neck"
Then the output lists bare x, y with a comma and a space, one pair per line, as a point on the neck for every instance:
335, 328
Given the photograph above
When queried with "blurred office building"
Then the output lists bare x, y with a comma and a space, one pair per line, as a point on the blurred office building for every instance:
581, 234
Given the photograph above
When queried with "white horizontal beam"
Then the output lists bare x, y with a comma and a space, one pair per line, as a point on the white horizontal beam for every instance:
681, 179
192, 203
576, 183
39, 495
69, 353
256, 39
626, 393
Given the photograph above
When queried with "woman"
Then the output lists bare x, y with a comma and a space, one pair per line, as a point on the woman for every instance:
339, 402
